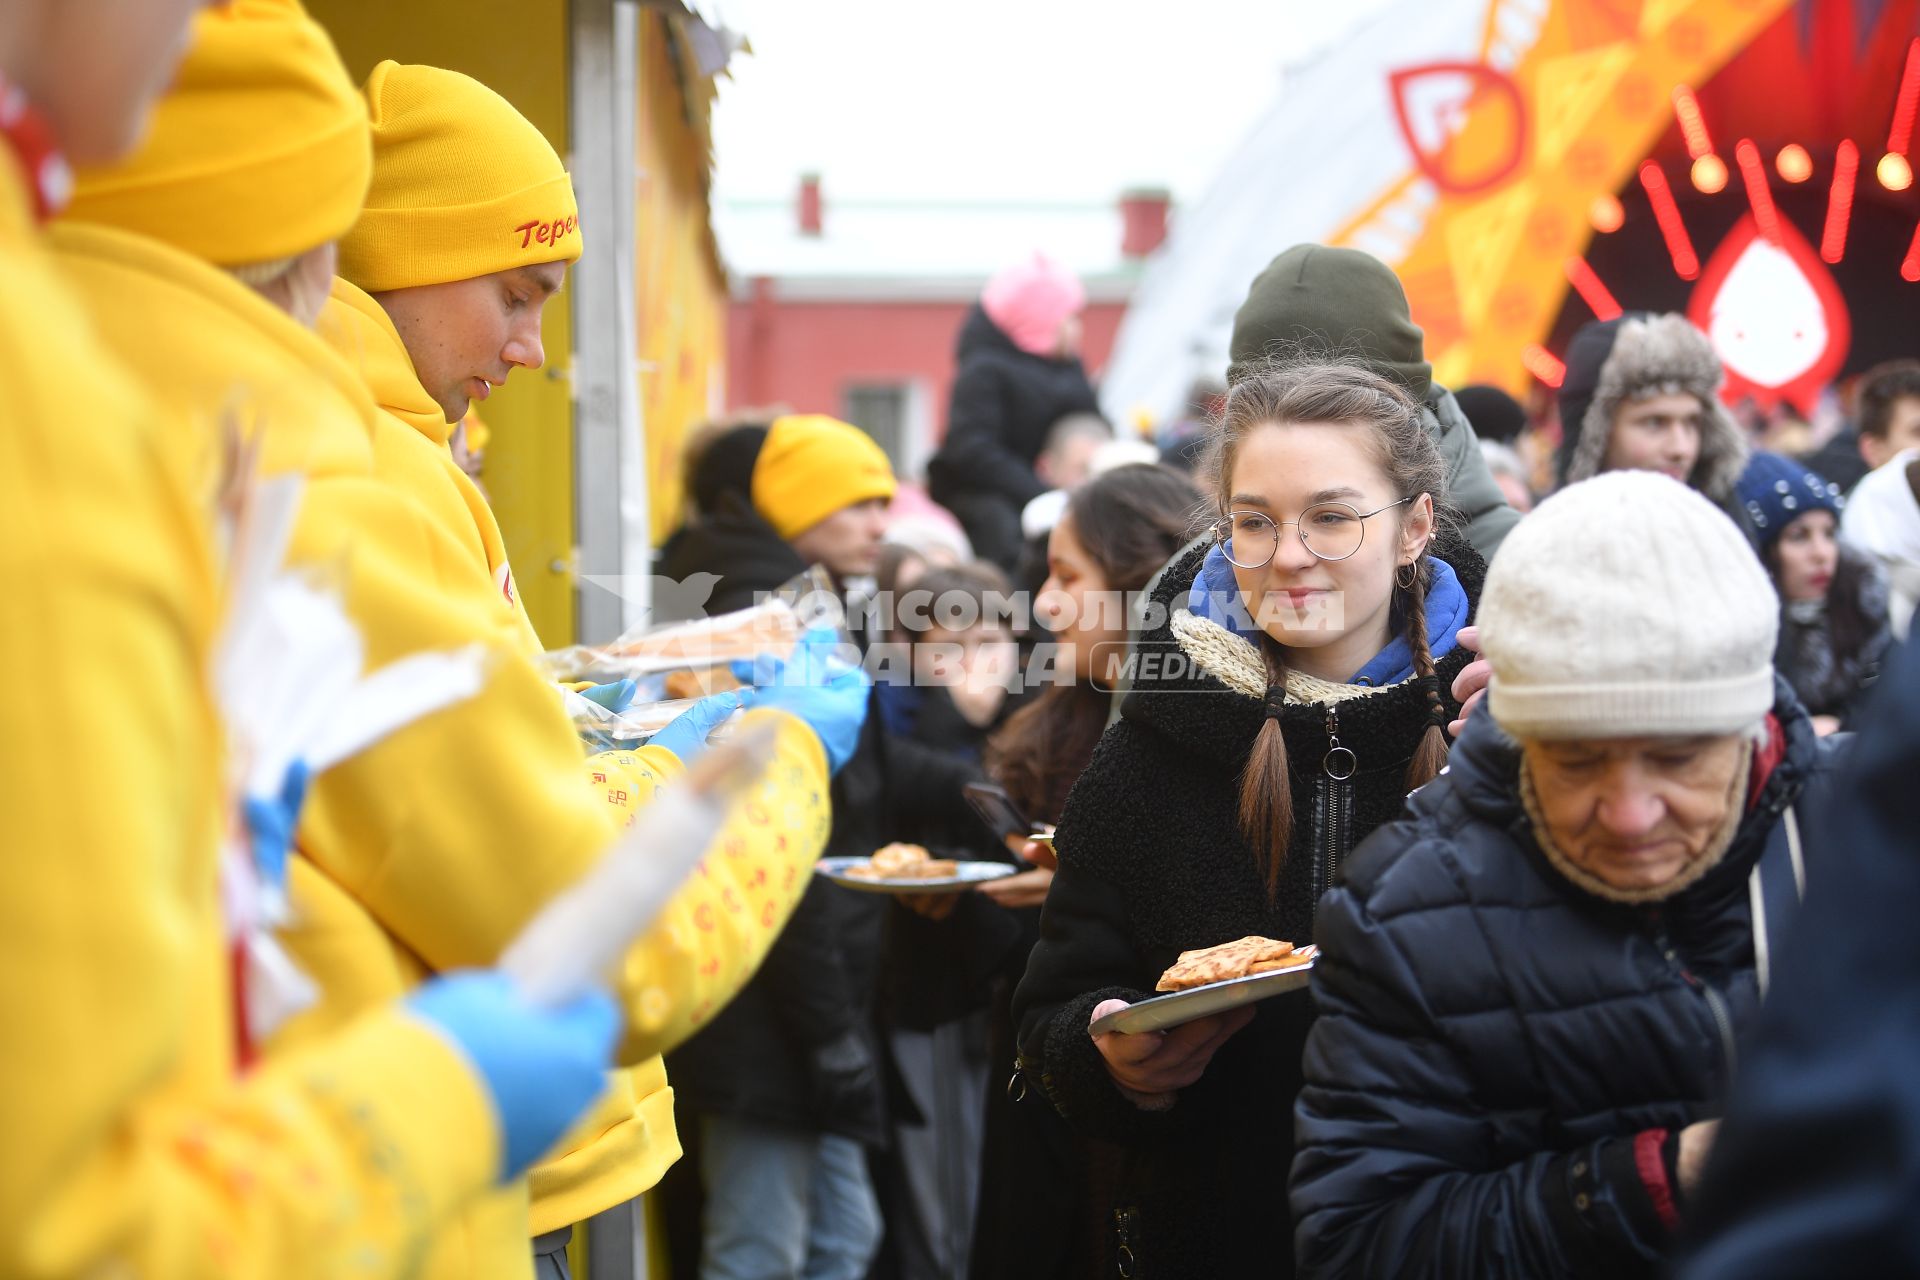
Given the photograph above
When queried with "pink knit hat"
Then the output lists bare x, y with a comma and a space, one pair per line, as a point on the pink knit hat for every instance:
1031, 301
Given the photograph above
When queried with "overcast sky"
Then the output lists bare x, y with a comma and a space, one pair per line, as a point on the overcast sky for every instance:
1054, 100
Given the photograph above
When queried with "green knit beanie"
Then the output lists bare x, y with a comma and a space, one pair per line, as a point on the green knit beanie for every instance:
1330, 299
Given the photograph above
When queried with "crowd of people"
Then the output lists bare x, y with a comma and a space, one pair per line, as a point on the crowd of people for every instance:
1575, 736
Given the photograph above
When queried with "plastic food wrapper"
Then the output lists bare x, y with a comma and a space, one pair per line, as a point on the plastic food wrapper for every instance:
667, 668
705, 647
288, 675
602, 729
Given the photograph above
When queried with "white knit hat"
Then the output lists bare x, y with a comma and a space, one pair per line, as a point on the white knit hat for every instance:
1627, 606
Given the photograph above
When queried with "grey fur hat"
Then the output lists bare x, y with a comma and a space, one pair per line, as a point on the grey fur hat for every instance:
1632, 357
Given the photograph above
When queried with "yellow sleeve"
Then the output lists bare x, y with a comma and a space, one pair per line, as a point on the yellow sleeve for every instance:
129, 1148
454, 830
715, 933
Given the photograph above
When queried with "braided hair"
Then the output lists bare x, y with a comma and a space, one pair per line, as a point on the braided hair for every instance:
1315, 388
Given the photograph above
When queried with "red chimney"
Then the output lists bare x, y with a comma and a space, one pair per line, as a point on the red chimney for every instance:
1143, 220
810, 208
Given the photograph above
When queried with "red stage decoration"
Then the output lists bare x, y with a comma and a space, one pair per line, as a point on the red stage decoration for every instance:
1590, 288
1774, 314
1793, 163
1910, 266
1686, 263
1543, 364
1846, 166
1709, 170
1754, 172
1430, 100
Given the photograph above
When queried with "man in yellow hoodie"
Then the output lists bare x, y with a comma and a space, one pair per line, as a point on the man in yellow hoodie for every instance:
468, 231
132, 1145
432, 849
467, 234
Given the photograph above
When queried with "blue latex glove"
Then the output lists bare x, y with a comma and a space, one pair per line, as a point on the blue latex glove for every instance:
271, 824
614, 697
544, 1068
686, 734
822, 684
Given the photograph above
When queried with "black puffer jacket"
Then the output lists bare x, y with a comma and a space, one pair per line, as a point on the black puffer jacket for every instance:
1493, 1042
818, 982
1004, 403
1152, 863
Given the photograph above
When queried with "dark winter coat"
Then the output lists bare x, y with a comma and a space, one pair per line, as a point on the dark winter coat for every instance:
1152, 863
1838, 460
1812, 1173
1494, 1041
818, 982
1830, 682
1004, 403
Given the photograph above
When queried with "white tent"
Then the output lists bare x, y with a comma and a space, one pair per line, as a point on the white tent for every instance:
1327, 148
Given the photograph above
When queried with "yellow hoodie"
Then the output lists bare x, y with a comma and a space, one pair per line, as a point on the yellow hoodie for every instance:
626, 1144
131, 1147
432, 849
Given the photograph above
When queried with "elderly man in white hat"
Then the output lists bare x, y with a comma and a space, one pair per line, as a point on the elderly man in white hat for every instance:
1532, 988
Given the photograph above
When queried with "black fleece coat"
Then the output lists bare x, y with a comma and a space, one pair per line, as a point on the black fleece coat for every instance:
818, 981
1492, 1038
1152, 863
1004, 402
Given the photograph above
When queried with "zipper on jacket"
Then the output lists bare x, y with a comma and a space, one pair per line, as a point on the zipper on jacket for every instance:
1017, 1086
1124, 1221
1716, 1003
1336, 819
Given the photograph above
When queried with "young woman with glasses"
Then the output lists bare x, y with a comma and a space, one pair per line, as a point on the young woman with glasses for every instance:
1291, 686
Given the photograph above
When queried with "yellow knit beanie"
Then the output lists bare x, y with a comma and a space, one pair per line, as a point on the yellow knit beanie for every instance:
463, 186
812, 466
258, 153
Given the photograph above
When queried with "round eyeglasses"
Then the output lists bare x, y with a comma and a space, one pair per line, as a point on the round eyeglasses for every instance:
1329, 531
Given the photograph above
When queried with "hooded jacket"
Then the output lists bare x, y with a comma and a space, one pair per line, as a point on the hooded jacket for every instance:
133, 1142
1152, 863
1346, 302
1501, 1056
1637, 355
625, 1144
388, 889
1003, 405
361, 333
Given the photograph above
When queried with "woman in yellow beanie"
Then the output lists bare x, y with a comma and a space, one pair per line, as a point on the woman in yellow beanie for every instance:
431, 850
131, 1147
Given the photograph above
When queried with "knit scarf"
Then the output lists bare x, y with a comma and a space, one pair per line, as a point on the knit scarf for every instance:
1236, 663
1691, 874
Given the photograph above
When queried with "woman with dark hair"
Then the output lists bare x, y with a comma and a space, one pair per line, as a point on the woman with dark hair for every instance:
1117, 532
1833, 598
1300, 692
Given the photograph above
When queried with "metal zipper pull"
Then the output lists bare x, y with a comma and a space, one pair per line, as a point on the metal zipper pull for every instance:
1339, 762
1123, 1220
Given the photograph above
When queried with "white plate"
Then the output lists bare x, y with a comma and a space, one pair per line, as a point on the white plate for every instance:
1179, 1007
967, 875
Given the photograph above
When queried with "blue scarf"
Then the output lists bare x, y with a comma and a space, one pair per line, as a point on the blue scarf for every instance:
1216, 597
